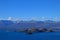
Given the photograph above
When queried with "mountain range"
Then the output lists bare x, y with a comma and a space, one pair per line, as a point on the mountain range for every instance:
16, 25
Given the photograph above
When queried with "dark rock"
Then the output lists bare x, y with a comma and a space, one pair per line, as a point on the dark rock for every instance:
41, 29
50, 30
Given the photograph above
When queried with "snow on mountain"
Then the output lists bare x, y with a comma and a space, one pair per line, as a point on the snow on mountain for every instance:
13, 23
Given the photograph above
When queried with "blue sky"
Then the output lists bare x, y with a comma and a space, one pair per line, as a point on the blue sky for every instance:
29, 8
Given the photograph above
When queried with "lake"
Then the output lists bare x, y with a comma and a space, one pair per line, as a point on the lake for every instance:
35, 36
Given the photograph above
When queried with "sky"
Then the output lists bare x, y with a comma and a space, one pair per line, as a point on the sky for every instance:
27, 9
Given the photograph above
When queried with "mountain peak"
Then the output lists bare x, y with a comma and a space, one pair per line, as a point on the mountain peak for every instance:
9, 18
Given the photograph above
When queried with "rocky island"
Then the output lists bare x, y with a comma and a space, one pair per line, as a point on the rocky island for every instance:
33, 30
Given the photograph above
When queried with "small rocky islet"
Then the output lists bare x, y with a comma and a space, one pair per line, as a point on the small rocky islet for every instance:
33, 30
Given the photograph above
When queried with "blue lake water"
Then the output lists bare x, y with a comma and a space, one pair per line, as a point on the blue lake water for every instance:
34, 36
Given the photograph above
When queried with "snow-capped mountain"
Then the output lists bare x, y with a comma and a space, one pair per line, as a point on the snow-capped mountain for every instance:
18, 24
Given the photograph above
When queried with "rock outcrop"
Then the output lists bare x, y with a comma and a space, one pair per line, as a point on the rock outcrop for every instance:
32, 30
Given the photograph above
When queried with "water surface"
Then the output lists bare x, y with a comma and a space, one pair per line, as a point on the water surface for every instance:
35, 36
